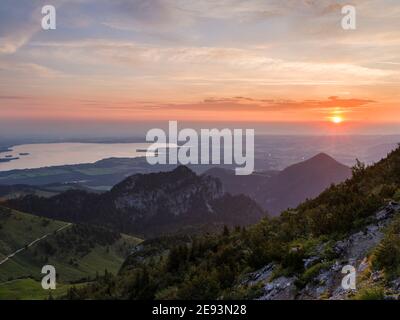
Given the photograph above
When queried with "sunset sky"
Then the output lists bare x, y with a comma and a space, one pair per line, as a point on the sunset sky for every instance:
268, 61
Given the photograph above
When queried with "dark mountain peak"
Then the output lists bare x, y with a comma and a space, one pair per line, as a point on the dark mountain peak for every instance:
304, 180
182, 172
152, 181
278, 190
322, 157
321, 161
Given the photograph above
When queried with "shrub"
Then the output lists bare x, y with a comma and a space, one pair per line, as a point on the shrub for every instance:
373, 293
386, 256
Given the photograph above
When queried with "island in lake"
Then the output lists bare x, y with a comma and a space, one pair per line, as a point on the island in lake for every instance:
5, 149
8, 159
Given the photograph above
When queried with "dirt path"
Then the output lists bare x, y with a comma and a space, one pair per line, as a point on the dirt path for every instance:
33, 243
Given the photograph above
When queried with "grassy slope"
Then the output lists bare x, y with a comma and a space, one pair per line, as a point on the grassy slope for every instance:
21, 274
29, 289
18, 229
99, 259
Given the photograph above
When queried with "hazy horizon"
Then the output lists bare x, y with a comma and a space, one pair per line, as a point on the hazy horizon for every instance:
28, 130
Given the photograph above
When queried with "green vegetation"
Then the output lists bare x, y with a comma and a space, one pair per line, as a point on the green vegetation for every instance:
311, 272
212, 266
19, 229
386, 256
373, 293
79, 252
30, 289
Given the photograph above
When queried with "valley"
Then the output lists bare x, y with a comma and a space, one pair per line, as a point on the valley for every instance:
79, 253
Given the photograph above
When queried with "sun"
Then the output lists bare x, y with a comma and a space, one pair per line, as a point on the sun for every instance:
337, 119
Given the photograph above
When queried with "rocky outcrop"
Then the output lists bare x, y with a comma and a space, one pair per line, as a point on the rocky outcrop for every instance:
326, 283
282, 288
170, 193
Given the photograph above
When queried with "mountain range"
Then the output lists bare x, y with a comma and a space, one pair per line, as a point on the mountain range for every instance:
302, 254
149, 204
165, 202
276, 191
297, 255
134, 209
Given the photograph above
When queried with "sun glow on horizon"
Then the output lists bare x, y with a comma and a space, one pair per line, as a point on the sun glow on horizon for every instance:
337, 119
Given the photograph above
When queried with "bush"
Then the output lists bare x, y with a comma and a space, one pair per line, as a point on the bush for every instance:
396, 195
311, 273
246, 292
386, 256
374, 293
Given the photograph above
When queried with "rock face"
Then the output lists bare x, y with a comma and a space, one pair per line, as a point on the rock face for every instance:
326, 283
162, 202
282, 288
172, 193
264, 274
151, 204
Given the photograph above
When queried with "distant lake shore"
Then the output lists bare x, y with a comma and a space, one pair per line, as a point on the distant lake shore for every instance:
31, 156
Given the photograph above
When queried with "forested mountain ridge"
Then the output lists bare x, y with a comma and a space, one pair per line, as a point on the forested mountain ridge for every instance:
149, 204
303, 250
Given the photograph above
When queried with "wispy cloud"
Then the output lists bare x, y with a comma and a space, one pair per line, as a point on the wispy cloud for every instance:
210, 62
252, 104
30, 69
264, 55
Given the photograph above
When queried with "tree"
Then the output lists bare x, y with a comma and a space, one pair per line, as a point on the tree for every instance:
226, 232
358, 169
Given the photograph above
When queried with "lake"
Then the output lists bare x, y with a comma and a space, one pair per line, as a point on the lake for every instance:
54, 154
271, 152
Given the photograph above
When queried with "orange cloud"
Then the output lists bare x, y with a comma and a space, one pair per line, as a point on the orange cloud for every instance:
246, 104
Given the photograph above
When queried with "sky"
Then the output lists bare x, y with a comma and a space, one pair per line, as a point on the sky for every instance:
285, 65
